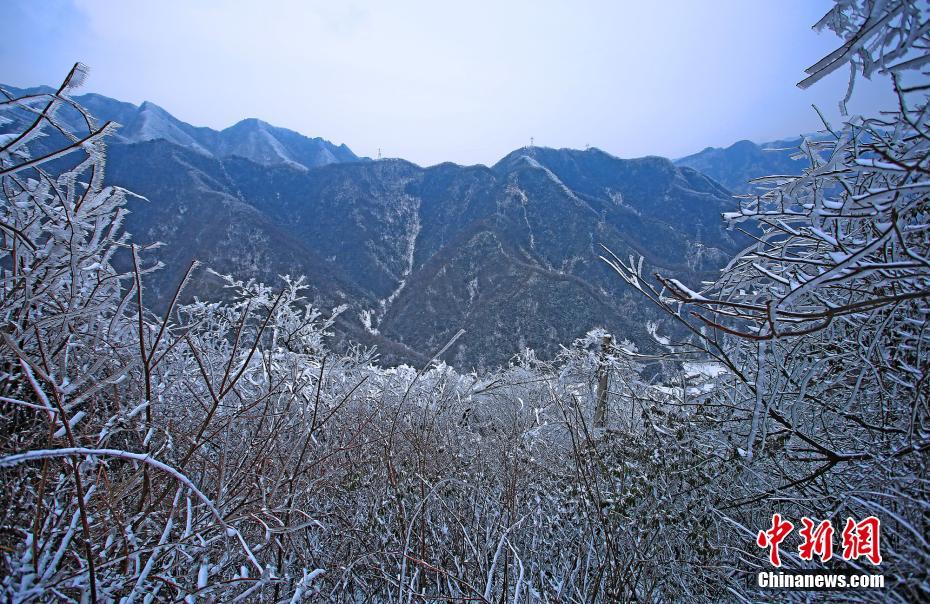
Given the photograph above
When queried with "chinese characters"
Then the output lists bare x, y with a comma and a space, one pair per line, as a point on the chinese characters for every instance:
859, 539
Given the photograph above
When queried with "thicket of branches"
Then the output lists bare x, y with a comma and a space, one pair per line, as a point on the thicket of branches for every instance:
222, 451
824, 321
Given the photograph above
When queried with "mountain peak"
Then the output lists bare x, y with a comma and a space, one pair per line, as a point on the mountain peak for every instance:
734, 166
250, 138
151, 122
150, 107
569, 160
249, 123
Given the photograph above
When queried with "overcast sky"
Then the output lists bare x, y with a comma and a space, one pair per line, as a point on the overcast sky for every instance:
434, 81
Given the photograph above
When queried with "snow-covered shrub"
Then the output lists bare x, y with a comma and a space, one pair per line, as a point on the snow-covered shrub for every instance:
824, 323
222, 451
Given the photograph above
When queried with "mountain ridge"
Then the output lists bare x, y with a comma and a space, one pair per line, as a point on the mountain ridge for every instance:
734, 166
250, 138
511, 255
509, 252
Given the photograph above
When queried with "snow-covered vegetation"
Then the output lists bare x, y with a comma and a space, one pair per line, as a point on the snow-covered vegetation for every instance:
224, 452
823, 323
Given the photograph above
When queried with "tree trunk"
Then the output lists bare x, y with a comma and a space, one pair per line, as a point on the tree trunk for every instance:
600, 409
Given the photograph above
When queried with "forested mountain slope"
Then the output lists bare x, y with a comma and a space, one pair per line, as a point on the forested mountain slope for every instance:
509, 253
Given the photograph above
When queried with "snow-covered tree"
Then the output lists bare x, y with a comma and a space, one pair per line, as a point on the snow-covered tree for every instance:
823, 322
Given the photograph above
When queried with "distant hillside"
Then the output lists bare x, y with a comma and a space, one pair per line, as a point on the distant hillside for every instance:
736, 165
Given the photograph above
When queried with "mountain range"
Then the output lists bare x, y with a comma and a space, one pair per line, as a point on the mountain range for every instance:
252, 139
509, 253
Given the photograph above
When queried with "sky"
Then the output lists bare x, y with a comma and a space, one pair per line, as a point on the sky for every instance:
433, 81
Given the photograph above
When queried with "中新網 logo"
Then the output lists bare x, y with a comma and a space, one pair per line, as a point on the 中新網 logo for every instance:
859, 539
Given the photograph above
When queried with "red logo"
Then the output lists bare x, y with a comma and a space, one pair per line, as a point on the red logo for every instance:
859, 539
816, 540
775, 535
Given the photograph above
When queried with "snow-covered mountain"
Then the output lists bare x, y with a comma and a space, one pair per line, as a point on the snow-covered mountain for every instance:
736, 165
510, 253
251, 139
